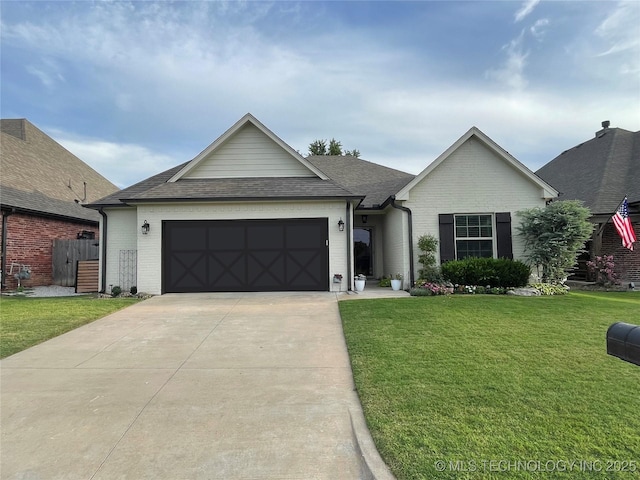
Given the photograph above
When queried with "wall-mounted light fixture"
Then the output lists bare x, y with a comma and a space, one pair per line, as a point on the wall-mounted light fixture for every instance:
145, 227
341, 225
365, 218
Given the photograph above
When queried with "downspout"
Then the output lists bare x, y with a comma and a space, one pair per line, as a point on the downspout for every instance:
103, 234
348, 215
5, 214
409, 215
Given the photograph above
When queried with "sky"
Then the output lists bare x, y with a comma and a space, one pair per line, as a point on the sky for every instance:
135, 88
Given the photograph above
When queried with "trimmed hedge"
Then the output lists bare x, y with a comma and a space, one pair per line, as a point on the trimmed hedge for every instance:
496, 272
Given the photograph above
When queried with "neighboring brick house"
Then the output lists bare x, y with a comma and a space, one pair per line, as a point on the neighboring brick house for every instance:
42, 189
600, 172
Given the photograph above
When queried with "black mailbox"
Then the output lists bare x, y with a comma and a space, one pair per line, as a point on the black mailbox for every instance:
623, 341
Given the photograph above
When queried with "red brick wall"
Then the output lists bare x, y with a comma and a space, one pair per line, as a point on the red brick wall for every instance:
30, 242
627, 262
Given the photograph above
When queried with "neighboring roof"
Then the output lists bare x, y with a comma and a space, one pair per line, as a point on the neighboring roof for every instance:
39, 175
39, 204
547, 191
247, 119
600, 171
376, 182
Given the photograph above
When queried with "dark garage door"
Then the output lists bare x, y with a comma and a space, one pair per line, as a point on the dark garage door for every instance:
245, 255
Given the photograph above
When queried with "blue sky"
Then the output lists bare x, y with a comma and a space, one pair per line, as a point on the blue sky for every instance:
134, 88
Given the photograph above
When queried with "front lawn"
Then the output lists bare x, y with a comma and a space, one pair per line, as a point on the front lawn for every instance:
498, 387
25, 322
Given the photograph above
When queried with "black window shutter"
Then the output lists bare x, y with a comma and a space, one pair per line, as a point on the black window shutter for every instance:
503, 235
447, 246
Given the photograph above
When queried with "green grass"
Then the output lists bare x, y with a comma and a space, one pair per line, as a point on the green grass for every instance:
473, 379
25, 322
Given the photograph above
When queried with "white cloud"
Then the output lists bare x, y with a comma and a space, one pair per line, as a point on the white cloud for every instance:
620, 34
526, 8
511, 74
122, 164
173, 77
47, 71
538, 29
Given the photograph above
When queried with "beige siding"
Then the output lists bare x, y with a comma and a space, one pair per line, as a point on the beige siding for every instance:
122, 234
473, 179
249, 153
150, 246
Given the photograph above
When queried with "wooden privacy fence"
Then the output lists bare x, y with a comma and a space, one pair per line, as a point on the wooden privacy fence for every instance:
66, 255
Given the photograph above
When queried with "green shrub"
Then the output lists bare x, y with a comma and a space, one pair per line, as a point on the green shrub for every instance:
431, 274
550, 288
385, 282
494, 272
115, 291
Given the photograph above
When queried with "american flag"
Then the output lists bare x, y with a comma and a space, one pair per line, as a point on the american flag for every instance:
623, 225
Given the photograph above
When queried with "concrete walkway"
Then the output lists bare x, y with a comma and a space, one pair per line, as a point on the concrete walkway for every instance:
190, 386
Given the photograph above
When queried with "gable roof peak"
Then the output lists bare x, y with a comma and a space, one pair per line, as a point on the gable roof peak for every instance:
248, 118
547, 190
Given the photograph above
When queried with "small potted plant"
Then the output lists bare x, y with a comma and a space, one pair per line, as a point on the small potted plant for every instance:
337, 278
396, 282
360, 282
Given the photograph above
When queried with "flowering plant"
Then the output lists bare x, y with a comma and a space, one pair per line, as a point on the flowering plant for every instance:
604, 269
433, 288
397, 276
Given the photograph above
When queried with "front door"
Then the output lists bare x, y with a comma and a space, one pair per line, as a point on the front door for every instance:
363, 251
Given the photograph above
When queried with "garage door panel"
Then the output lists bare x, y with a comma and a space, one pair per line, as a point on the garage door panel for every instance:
188, 270
188, 238
251, 255
265, 237
266, 270
305, 236
226, 269
226, 238
301, 266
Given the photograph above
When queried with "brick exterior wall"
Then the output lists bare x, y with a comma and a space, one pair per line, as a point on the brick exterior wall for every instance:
627, 261
30, 242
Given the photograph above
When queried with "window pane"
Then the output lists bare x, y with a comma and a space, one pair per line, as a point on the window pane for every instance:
474, 232
474, 248
485, 220
461, 232
485, 231
473, 220
461, 221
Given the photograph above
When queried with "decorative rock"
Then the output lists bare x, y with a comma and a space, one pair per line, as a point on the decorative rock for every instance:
524, 292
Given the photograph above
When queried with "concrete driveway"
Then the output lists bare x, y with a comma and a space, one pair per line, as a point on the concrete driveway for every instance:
189, 386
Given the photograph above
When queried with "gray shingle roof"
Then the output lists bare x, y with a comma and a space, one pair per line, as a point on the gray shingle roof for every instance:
137, 189
40, 176
33, 161
600, 171
359, 176
38, 203
243, 189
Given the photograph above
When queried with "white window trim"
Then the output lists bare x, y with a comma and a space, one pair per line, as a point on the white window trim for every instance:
494, 242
